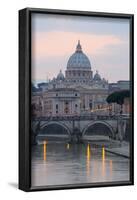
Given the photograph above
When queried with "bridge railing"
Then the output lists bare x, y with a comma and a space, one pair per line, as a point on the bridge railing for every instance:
71, 118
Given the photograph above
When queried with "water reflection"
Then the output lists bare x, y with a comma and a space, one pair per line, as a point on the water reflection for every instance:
57, 163
44, 150
88, 159
103, 162
95, 168
68, 146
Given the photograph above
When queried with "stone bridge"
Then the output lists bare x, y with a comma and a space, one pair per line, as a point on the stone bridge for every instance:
80, 126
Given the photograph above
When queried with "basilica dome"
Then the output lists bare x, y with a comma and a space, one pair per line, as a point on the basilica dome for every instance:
97, 77
60, 76
78, 60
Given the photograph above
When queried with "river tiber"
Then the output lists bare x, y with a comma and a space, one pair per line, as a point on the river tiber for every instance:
80, 126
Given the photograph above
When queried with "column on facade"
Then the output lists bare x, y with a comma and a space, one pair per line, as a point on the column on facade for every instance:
73, 107
93, 102
86, 102
53, 107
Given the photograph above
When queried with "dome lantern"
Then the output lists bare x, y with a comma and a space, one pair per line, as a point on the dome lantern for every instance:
78, 47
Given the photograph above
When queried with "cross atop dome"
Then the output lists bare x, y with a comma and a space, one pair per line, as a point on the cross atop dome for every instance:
78, 47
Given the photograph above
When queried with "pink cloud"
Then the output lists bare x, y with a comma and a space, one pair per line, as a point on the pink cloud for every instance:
58, 43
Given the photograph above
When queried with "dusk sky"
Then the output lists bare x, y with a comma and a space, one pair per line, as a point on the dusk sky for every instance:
105, 42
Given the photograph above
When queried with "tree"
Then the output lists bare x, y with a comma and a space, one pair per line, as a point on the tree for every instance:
118, 97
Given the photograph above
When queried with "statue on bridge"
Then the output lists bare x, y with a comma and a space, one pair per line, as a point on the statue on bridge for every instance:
76, 136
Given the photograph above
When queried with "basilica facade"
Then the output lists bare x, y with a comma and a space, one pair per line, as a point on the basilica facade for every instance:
78, 92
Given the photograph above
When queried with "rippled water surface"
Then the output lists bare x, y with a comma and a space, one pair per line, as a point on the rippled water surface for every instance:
61, 163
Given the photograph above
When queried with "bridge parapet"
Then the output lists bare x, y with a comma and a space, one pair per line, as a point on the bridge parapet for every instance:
86, 117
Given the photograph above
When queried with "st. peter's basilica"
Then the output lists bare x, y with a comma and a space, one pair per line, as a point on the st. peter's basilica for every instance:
78, 92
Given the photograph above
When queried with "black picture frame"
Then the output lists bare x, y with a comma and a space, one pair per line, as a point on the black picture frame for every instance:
25, 97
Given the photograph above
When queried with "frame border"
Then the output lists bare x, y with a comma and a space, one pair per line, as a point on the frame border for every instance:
25, 98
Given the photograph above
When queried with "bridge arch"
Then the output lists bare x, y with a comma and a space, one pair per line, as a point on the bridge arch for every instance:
94, 124
56, 126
